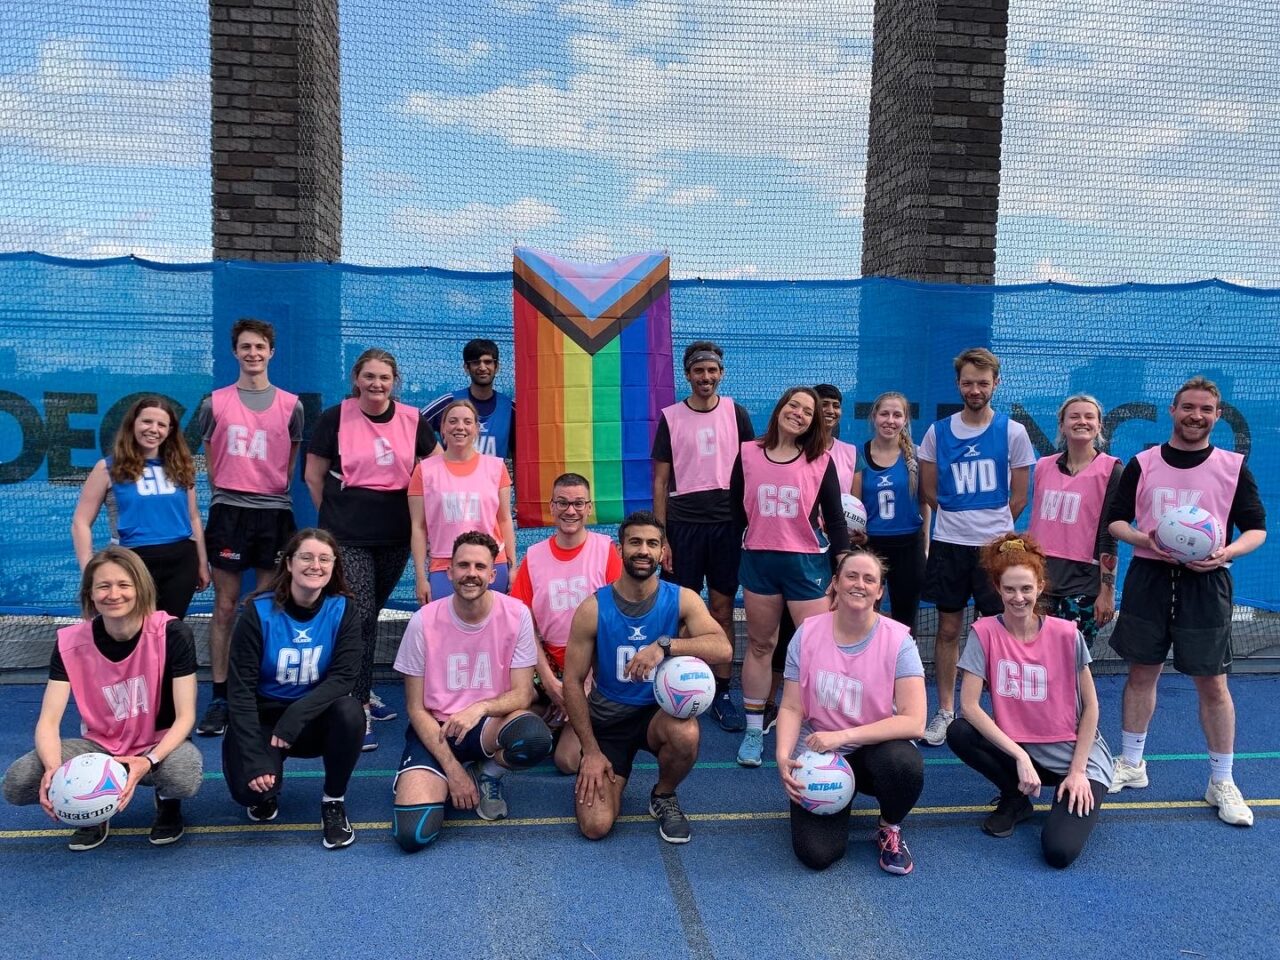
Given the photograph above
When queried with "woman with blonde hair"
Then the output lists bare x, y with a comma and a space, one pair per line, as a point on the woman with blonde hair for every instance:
123, 643
888, 484
149, 487
458, 492
361, 456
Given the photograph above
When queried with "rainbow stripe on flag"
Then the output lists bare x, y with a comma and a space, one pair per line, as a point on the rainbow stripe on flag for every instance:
593, 372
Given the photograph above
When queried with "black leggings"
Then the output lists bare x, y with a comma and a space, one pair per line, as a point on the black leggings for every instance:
174, 567
372, 573
904, 555
1064, 834
786, 630
336, 735
892, 772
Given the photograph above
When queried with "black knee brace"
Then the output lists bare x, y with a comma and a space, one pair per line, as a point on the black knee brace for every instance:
525, 741
414, 826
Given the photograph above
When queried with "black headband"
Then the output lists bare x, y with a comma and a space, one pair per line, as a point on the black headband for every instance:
702, 355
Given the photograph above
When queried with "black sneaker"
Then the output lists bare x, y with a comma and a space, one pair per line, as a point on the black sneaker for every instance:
1009, 812
673, 826
214, 721
86, 838
337, 828
727, 713
264, 811
168, 826
770, 716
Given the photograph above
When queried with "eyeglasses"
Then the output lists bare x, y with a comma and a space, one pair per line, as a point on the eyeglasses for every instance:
306, 559
561, 504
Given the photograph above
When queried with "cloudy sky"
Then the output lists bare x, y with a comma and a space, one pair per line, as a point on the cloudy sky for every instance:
1138, 145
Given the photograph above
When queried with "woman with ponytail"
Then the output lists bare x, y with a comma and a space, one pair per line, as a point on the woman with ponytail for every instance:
888, 485
1043, 724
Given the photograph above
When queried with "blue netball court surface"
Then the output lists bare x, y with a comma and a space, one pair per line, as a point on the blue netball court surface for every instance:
1161, 877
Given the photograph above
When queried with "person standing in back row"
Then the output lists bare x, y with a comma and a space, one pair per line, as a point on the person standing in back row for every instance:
251, 431
1183, 606
694, 449
497, 411
974, 470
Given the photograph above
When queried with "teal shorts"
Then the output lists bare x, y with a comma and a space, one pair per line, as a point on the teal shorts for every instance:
796, 576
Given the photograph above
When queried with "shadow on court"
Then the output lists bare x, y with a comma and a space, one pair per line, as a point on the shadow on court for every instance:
1160, 878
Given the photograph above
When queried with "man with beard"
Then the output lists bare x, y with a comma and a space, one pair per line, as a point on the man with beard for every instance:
694, 447
468, 662
497, 411
1183, 606
974, 471
624, 631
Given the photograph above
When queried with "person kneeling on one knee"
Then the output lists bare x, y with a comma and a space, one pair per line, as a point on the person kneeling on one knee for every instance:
468, 661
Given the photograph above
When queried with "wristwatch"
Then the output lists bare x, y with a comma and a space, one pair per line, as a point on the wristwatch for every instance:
665, 643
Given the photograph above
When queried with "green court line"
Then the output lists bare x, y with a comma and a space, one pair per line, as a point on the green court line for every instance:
733, 765
727, 817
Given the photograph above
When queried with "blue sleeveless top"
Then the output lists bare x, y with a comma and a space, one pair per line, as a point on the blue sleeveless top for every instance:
495, 427
151, 510
891, 509
973, 474
296, 653
618, 637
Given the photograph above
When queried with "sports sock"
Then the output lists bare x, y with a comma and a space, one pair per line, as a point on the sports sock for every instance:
755, 713
220, 690
325, 798
1131, 747
490, 768
1220, 767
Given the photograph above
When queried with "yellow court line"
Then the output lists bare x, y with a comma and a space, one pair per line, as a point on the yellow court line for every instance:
258, 828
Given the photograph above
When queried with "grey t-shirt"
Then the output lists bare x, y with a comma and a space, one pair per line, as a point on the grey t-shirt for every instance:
1051, 756
257, 401
908, 665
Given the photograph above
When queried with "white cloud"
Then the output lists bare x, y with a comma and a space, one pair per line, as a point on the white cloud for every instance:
436, 225
462, 57
76, 105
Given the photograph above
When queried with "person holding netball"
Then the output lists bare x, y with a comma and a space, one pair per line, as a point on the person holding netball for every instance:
888, 484
149, 486
295, 655
1071, 498
132, 671
361, 456
458, 492
1043, 725
785, 487
854, 685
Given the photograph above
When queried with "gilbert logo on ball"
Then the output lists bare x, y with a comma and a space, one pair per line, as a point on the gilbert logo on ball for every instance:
1190, 533
86, 789
684, 687
855, 514
826, 782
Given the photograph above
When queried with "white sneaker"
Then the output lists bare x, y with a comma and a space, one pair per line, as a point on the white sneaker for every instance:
1127, 775
1232, 809
935, 734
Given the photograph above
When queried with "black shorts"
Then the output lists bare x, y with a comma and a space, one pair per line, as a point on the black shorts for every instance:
952, 575
1170, 606
705, 552
246, 538
416, 756
621, 730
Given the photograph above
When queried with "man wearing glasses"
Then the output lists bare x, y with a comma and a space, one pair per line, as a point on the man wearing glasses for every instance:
556, 575
694, 448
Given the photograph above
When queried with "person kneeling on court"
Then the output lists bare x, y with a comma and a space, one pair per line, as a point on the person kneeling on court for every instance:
132, 671
468, 661
1045, 706
625, 630
295, 655
854, 685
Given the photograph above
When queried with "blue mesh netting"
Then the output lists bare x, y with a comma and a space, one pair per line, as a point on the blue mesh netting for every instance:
80, 338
